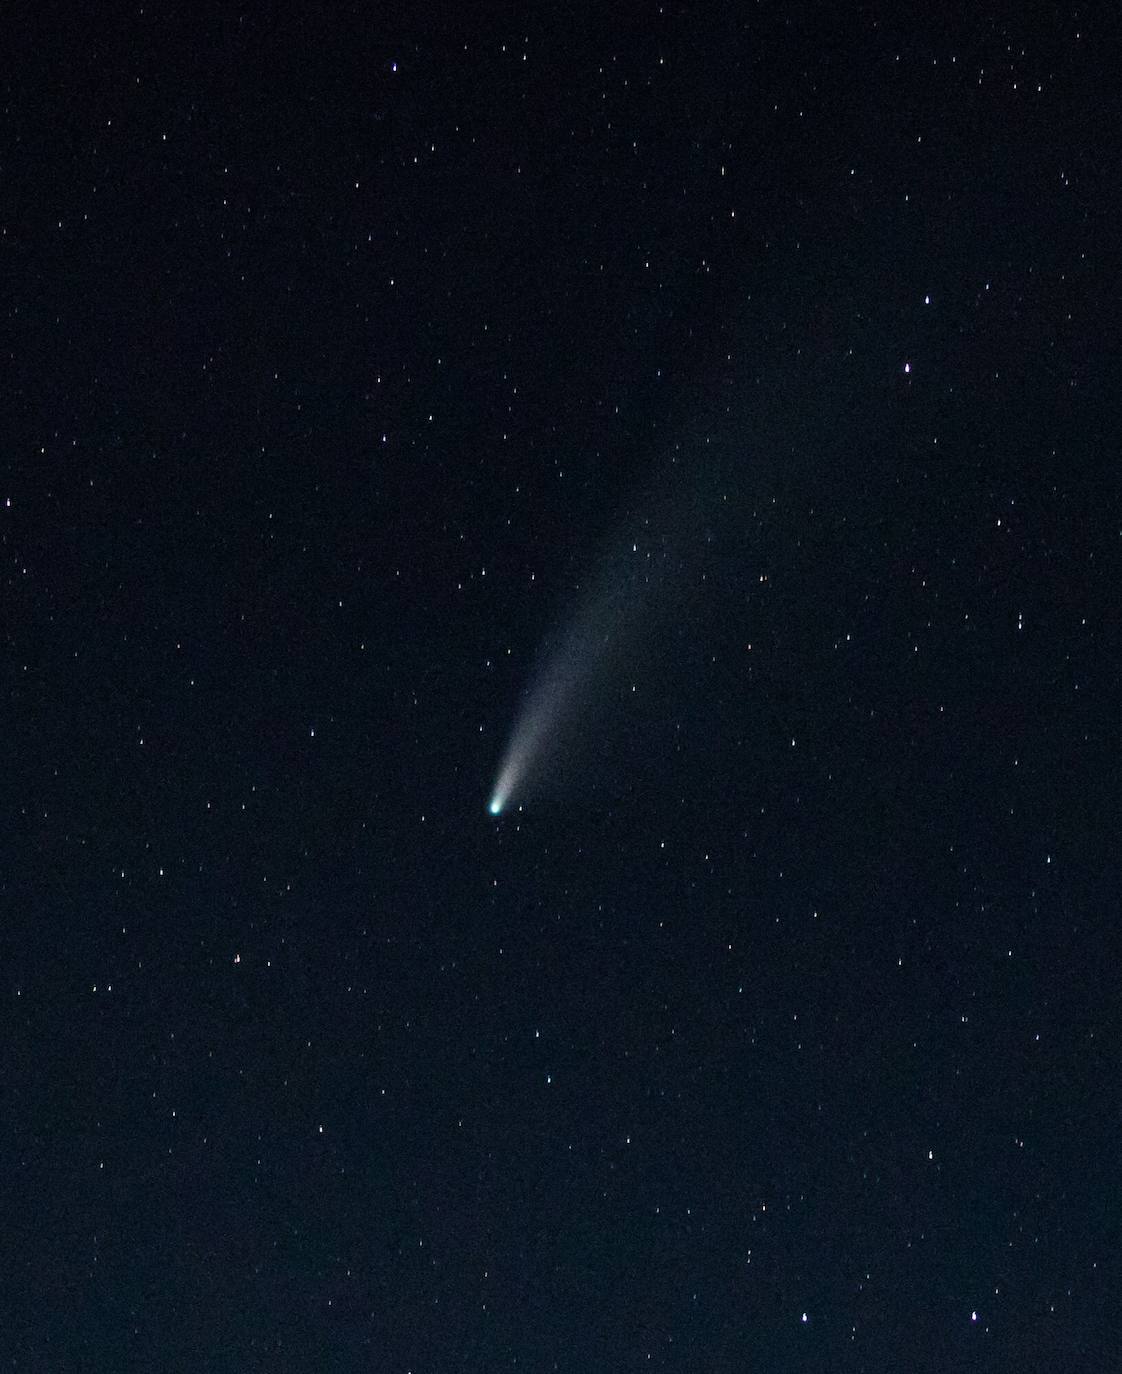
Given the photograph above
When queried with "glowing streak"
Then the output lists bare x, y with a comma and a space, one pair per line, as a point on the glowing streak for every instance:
604, 633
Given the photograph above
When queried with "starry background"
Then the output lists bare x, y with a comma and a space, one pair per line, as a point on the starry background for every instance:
335, 347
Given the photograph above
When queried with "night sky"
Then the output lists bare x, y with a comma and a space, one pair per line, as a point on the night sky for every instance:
689, 432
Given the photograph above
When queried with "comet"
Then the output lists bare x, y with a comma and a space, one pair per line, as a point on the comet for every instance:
610, 640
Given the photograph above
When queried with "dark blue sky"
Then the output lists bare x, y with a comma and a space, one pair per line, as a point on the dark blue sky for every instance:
347, 355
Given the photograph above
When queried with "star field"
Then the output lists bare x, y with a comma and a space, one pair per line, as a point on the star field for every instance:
561, 675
